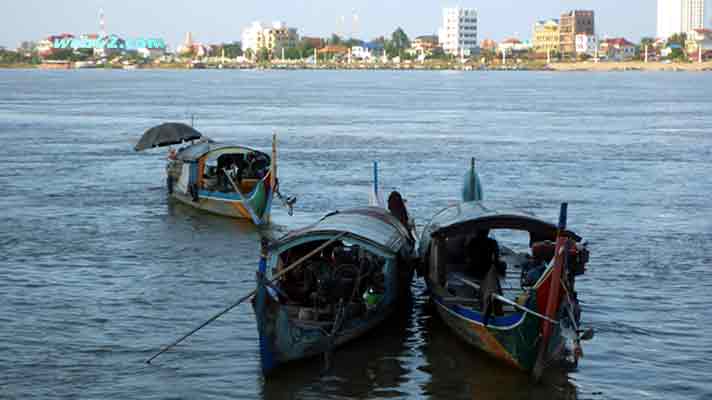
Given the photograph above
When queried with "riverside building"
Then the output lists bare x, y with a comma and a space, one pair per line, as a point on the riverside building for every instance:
683, 16
458, 34
274, 38
574, 23
546, 36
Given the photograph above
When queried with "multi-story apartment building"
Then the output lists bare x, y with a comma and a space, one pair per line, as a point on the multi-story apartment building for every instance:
546, 36
273, 37
683, 16
573, 23
586, 44
458, 34
669, 18
693, 15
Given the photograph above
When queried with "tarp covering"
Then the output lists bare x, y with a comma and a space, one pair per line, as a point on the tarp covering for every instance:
373, 224
167, 134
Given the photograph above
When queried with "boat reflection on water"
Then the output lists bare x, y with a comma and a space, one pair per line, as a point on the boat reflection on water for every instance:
374, 366
458, 371
394, 360
199, 219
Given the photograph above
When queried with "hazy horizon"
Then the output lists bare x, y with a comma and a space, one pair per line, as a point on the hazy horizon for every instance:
223, 20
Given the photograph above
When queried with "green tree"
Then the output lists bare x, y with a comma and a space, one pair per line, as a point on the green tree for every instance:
249, 54
399, 40
263, 54
292, 53
60, 54
438, 54
398, 43
335, 39
232, 50
353, 42
305, 48
640, 49
678, 38
10, 57
646, 41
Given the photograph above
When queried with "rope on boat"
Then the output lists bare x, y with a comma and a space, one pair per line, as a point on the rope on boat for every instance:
287, 201
245, 200
249, 295
338, 321
507, 301
525, 309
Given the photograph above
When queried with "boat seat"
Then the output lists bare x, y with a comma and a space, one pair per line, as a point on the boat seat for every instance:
462, 301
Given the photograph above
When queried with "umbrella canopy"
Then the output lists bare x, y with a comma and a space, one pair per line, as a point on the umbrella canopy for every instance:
166, 135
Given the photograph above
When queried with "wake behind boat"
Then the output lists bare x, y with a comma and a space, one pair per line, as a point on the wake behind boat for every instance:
225, 179
518, 304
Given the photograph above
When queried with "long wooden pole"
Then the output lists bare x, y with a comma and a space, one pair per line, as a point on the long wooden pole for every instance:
245, 200
273, 170
552, 304
247, 296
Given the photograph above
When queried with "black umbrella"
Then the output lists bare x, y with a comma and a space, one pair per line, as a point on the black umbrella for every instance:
166, 135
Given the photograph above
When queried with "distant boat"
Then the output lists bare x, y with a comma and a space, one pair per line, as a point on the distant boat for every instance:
230, 180
338, 279
500, 299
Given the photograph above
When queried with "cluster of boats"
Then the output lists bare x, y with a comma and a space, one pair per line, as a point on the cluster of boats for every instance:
324, 285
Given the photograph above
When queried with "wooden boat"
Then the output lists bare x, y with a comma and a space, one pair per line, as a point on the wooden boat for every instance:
332, 281
230, 180
517, 304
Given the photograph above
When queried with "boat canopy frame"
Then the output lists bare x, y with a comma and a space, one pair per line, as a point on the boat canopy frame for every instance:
372, 227
197, 151
476, 216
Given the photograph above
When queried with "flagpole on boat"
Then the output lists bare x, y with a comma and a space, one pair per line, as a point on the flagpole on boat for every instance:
273, 172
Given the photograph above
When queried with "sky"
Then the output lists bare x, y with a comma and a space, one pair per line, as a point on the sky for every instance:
216, 21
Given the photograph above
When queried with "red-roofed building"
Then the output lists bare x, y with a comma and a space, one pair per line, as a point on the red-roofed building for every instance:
512, 46
46, 47
314, 42
489, 45
699, 44
617, 49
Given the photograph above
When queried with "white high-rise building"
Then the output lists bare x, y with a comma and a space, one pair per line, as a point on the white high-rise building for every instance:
693, 15
669, 18
458, 34
683, 16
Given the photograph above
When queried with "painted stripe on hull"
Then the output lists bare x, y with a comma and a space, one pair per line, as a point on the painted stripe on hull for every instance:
502, 323
484, 338
233, 209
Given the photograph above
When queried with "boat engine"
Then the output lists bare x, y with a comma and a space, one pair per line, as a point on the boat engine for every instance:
578, 258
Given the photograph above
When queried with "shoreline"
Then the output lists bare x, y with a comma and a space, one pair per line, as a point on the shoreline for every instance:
584, 66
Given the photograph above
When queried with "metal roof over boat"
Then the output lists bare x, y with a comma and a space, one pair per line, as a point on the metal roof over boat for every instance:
194, 152
468, 216
372, 224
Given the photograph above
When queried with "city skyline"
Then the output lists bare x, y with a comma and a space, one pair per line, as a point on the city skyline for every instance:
224, 21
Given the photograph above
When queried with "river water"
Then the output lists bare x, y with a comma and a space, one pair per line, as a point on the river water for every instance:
99, 269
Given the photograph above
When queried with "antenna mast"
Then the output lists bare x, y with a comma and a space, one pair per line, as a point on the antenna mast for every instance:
102, 23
